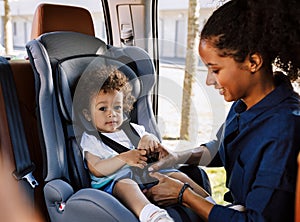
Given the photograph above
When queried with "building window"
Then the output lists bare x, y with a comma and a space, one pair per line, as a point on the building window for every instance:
180, 38
15, 28
25, 32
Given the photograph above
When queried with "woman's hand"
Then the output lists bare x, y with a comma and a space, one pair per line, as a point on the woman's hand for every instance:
196, 156
134, 157
166, 191
167, 159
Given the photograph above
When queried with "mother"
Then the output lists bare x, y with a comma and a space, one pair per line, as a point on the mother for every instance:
240, 44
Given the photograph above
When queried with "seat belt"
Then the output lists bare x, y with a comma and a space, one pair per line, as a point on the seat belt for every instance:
142, 176
130, 132
24, 166
133, 136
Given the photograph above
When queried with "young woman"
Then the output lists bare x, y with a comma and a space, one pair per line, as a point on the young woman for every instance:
259, 144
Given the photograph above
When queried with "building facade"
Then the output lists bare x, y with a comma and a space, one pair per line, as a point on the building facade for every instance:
172, 22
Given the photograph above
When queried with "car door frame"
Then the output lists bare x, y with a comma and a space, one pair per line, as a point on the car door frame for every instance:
145, 27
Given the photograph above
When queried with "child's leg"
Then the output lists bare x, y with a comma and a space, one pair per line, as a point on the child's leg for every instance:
130, 194
184, 178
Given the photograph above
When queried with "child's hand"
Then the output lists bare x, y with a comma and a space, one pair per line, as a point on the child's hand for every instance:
148, 143
135, 158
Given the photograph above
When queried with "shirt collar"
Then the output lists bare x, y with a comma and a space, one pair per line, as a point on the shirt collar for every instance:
280, 93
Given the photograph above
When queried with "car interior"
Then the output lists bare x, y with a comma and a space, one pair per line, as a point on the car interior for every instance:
40, 124
44, 85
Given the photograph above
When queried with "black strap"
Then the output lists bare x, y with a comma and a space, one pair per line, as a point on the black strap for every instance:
119, 148
141, 175
129, 131
24, 166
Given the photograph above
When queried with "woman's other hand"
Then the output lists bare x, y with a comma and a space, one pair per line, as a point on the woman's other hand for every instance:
166, 191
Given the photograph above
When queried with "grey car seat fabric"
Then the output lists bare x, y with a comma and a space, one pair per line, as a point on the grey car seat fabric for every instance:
58, 60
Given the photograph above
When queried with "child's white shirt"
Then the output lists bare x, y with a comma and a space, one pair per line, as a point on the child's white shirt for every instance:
92, 144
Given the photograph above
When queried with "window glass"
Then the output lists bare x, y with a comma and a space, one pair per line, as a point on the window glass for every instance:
21, 13
207, 107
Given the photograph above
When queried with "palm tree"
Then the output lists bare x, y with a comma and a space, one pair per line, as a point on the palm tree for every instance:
190, 67
8, 44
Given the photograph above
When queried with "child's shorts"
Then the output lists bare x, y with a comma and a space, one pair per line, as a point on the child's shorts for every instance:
140, 176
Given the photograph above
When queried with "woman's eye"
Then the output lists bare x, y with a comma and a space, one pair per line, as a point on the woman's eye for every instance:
102, 108
215, 71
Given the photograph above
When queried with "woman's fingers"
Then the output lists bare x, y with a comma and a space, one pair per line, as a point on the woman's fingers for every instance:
158, 175
167, 161
166, 191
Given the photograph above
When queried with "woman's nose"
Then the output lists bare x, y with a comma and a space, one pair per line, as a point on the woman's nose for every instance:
210, 79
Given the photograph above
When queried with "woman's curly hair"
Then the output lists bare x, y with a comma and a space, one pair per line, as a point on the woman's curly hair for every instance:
107, 78
268, 27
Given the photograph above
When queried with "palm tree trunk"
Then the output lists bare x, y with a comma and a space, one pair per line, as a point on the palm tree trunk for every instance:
8, 38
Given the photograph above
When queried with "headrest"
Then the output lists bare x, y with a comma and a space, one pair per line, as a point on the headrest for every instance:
52, 17
62, 44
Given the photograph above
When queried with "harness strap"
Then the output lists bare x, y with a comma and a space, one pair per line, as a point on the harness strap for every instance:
23, 164
119, 148
129, 131
141, 175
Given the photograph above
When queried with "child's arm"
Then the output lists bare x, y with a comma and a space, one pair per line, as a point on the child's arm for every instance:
155, 150
103, 167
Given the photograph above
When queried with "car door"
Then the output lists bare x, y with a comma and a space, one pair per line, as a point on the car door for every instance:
134, 22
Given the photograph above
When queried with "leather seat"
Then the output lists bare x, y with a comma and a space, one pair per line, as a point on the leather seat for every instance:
25, 91
47, 18
52, 17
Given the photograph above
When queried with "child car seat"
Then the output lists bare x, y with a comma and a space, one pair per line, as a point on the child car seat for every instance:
58, 60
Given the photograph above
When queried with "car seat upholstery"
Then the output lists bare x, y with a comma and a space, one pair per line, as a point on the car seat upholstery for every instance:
86, 204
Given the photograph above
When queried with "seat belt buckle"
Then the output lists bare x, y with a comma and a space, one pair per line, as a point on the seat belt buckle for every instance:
30, 179
27, 175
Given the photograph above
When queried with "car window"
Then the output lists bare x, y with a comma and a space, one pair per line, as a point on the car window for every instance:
203, 120
21, 12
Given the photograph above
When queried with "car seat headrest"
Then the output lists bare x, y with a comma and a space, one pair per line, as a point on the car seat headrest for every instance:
53, 17
71, 43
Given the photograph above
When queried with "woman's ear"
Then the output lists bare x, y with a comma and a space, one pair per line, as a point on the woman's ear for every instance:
86, 115
255, 62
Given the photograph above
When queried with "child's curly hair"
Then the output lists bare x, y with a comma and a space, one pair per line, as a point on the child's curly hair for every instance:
106, 78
